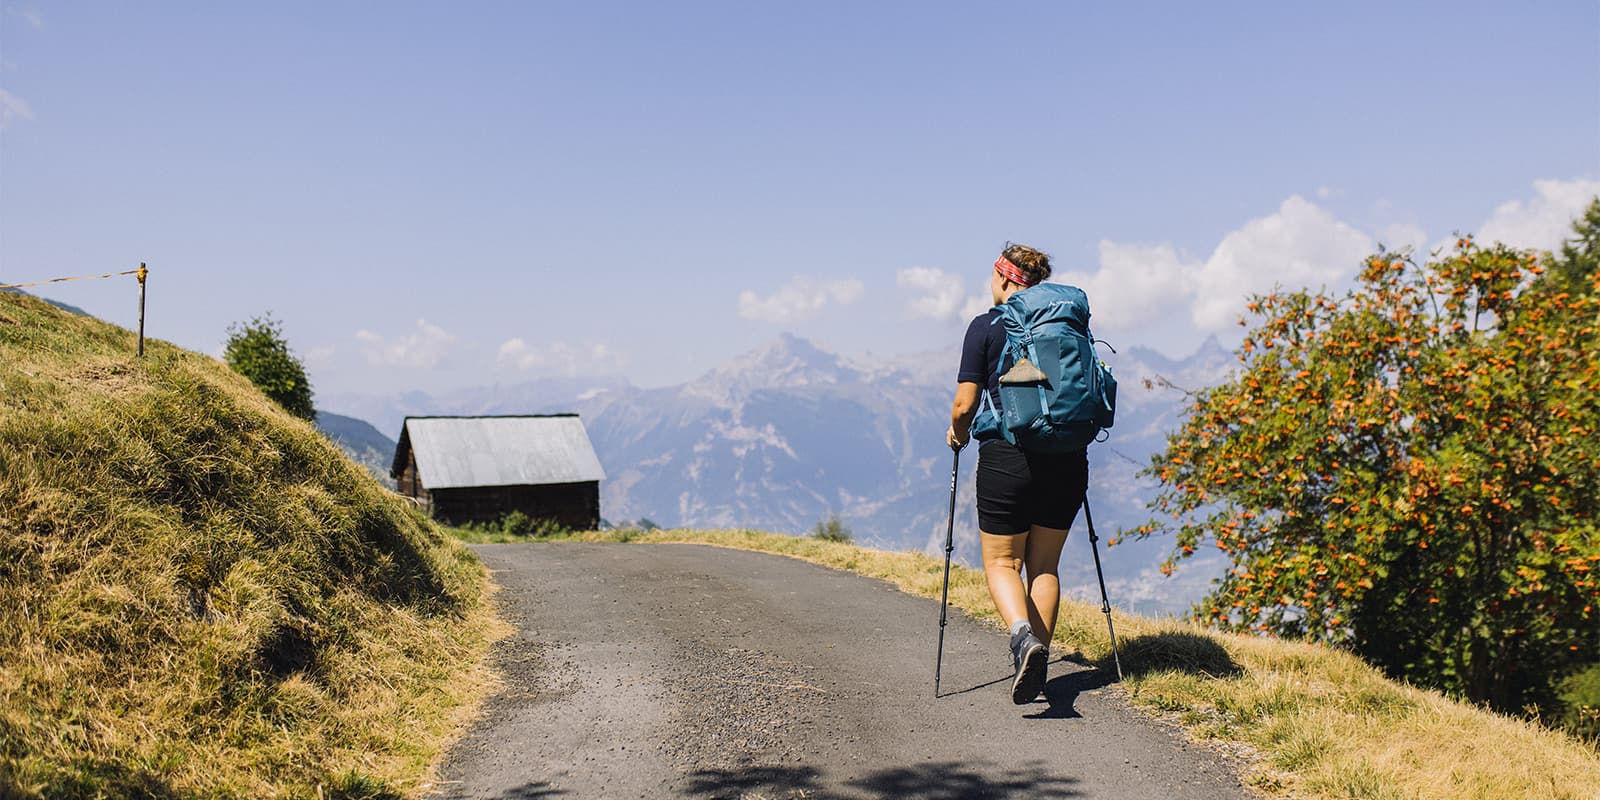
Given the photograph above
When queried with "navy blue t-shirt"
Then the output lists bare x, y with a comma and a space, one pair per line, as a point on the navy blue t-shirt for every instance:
980, 357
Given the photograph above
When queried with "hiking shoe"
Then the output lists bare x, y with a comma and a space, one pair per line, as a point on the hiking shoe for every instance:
1028, 656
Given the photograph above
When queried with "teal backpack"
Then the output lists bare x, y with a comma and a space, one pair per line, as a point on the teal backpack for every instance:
1056, 396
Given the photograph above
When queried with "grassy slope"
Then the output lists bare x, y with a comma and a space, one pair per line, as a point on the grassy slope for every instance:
1325, 724
199, 595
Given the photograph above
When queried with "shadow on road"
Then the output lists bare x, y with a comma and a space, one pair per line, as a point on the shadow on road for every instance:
1175, 650
1178, 651
536, 790
937, 781
733, 783
1061, 692
1001, 679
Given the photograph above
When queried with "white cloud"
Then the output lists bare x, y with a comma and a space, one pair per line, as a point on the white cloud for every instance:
1135, 283
12, 108
1149, 288
933, 294
320, 356
423, 348
1404, 235
803, 298
1160, 296
516, 353
976, 305
558, 358
1543, 222
1299, 246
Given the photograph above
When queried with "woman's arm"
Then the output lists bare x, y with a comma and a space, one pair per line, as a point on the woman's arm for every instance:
962, 411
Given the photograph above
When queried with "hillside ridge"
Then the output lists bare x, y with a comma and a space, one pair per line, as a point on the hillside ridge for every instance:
200, 595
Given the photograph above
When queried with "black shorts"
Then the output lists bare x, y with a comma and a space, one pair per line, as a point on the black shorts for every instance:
1017, 490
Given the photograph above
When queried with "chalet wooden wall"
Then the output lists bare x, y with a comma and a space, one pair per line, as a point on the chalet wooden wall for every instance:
574, 505
407, 479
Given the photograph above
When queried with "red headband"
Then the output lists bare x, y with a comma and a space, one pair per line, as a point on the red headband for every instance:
1010, 272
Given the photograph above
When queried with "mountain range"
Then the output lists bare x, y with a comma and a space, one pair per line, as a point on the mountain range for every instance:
788, 434
362, 442
70, 309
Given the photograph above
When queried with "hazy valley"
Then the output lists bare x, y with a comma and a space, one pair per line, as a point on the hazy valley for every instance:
784, 435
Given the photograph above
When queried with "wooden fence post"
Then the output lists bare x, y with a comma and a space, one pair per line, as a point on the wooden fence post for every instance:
142, 273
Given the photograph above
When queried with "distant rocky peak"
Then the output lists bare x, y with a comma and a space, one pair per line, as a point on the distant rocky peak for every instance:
1208, 365
797, 353
786, 362
1210, 350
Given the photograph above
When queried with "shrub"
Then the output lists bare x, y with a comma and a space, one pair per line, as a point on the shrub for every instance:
515, 525
258, 351
832, 529
1580, 704
1408, 469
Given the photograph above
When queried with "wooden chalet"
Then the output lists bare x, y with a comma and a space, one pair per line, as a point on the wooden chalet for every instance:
478, 469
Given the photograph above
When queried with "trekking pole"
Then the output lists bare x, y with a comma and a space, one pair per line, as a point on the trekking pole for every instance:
1105, 604
949, 547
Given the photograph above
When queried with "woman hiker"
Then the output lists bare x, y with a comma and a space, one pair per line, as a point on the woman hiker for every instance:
1026, 501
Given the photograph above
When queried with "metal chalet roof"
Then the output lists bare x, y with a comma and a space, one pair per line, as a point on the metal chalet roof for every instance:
456, 452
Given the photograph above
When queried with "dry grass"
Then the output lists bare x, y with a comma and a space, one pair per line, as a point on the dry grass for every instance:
200, 596
1322, 723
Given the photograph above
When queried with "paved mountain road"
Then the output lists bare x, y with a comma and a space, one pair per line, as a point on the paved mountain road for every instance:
694, 671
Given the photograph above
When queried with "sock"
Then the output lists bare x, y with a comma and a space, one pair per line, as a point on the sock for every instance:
1019, 626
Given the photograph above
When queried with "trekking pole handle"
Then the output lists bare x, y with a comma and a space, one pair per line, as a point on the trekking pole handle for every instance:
955, 472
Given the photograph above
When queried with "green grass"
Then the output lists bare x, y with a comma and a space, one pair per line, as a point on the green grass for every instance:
1319, 722
200, 596
513, 527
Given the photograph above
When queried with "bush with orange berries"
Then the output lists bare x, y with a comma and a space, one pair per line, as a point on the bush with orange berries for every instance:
1411, 469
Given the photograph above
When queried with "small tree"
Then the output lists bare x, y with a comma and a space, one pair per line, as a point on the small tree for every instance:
258, 351
832, 529
1410, 470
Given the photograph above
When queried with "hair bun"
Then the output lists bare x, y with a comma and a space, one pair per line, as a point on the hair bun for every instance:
1033, 262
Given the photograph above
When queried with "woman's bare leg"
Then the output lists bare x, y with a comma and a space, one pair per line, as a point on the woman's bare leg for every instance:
1003, 557
1042, 555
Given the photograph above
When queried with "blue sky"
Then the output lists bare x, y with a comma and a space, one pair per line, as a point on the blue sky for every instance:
440, 195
